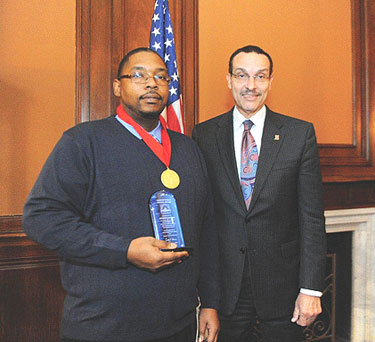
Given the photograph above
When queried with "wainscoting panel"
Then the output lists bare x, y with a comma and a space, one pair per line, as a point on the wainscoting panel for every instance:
31, 295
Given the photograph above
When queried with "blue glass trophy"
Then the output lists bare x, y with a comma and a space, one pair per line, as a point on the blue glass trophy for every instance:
165, 219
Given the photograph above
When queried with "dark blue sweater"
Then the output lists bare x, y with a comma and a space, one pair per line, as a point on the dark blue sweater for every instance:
90, 200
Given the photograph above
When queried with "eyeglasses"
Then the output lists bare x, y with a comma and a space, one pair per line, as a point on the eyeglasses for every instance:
243, 78
142, 78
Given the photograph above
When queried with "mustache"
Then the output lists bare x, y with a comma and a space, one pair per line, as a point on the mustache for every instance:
150, 94
250, 92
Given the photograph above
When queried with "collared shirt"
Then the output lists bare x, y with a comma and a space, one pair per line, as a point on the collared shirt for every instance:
257, 132
156, 132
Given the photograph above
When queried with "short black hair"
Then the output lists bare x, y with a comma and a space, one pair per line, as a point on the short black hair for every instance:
248, 49
133, 52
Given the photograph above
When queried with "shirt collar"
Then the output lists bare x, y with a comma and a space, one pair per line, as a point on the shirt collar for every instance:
257, 119
156, 132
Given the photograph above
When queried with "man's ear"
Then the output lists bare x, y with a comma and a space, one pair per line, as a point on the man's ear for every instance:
117, 88
229, 80
271, 79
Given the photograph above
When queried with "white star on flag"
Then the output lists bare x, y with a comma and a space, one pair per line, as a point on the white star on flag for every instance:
168, 43
156, 31
173, 91
162, 41
156, 46
174, 77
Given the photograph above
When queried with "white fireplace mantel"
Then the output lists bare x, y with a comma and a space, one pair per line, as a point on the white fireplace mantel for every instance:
362, 223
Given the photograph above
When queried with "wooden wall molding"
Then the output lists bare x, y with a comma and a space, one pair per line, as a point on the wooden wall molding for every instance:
356, 162
17, 250
31, 294
10, 225
348, 195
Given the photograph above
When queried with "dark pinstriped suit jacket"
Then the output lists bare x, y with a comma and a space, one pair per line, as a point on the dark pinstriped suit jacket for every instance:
283, 231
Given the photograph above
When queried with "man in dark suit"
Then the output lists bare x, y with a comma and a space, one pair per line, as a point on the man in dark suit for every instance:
265, 176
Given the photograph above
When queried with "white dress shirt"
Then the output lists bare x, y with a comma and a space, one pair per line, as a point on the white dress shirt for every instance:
257, 132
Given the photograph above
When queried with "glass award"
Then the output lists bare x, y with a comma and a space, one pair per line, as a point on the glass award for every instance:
165, 219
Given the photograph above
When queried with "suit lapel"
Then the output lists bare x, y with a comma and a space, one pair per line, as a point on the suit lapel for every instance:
224, 139
272, 140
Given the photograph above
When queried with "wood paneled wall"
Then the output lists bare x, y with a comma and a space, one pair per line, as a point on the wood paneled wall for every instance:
349, 170
30, 292
356, 161
31, 295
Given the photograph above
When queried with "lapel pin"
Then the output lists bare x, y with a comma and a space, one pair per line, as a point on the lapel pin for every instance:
276, 137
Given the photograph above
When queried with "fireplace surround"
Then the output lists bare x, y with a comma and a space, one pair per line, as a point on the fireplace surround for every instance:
361, 222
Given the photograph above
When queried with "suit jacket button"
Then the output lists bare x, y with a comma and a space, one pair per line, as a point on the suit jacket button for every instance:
247, 219
243, 250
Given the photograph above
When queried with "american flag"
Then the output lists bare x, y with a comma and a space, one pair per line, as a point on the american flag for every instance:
162, 41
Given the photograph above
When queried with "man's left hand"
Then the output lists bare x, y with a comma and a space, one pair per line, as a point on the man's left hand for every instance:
306, 309
208, 325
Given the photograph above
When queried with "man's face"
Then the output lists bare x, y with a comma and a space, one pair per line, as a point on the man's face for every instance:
251, 94
142, 101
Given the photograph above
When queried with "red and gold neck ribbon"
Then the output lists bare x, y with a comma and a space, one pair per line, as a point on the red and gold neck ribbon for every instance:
164, 150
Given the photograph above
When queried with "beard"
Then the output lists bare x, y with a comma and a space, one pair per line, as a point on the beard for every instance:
150, 115
143, 114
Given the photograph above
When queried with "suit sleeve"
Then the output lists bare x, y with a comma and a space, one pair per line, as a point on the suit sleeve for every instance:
54, 213
311, 217
209, 280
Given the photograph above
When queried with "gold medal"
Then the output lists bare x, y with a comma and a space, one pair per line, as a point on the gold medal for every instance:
170, 179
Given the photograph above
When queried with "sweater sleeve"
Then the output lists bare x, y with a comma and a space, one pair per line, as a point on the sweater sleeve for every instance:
209, 280
55, 211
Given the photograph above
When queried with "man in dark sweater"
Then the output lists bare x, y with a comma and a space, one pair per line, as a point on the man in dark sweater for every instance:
90, 205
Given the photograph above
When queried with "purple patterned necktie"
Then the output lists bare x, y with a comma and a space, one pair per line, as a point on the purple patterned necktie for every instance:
249, 162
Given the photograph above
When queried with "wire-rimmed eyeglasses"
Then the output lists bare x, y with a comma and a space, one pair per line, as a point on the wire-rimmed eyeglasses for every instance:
243, 78
142, 78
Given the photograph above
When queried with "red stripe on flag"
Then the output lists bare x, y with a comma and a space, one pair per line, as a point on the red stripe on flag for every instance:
175, 120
